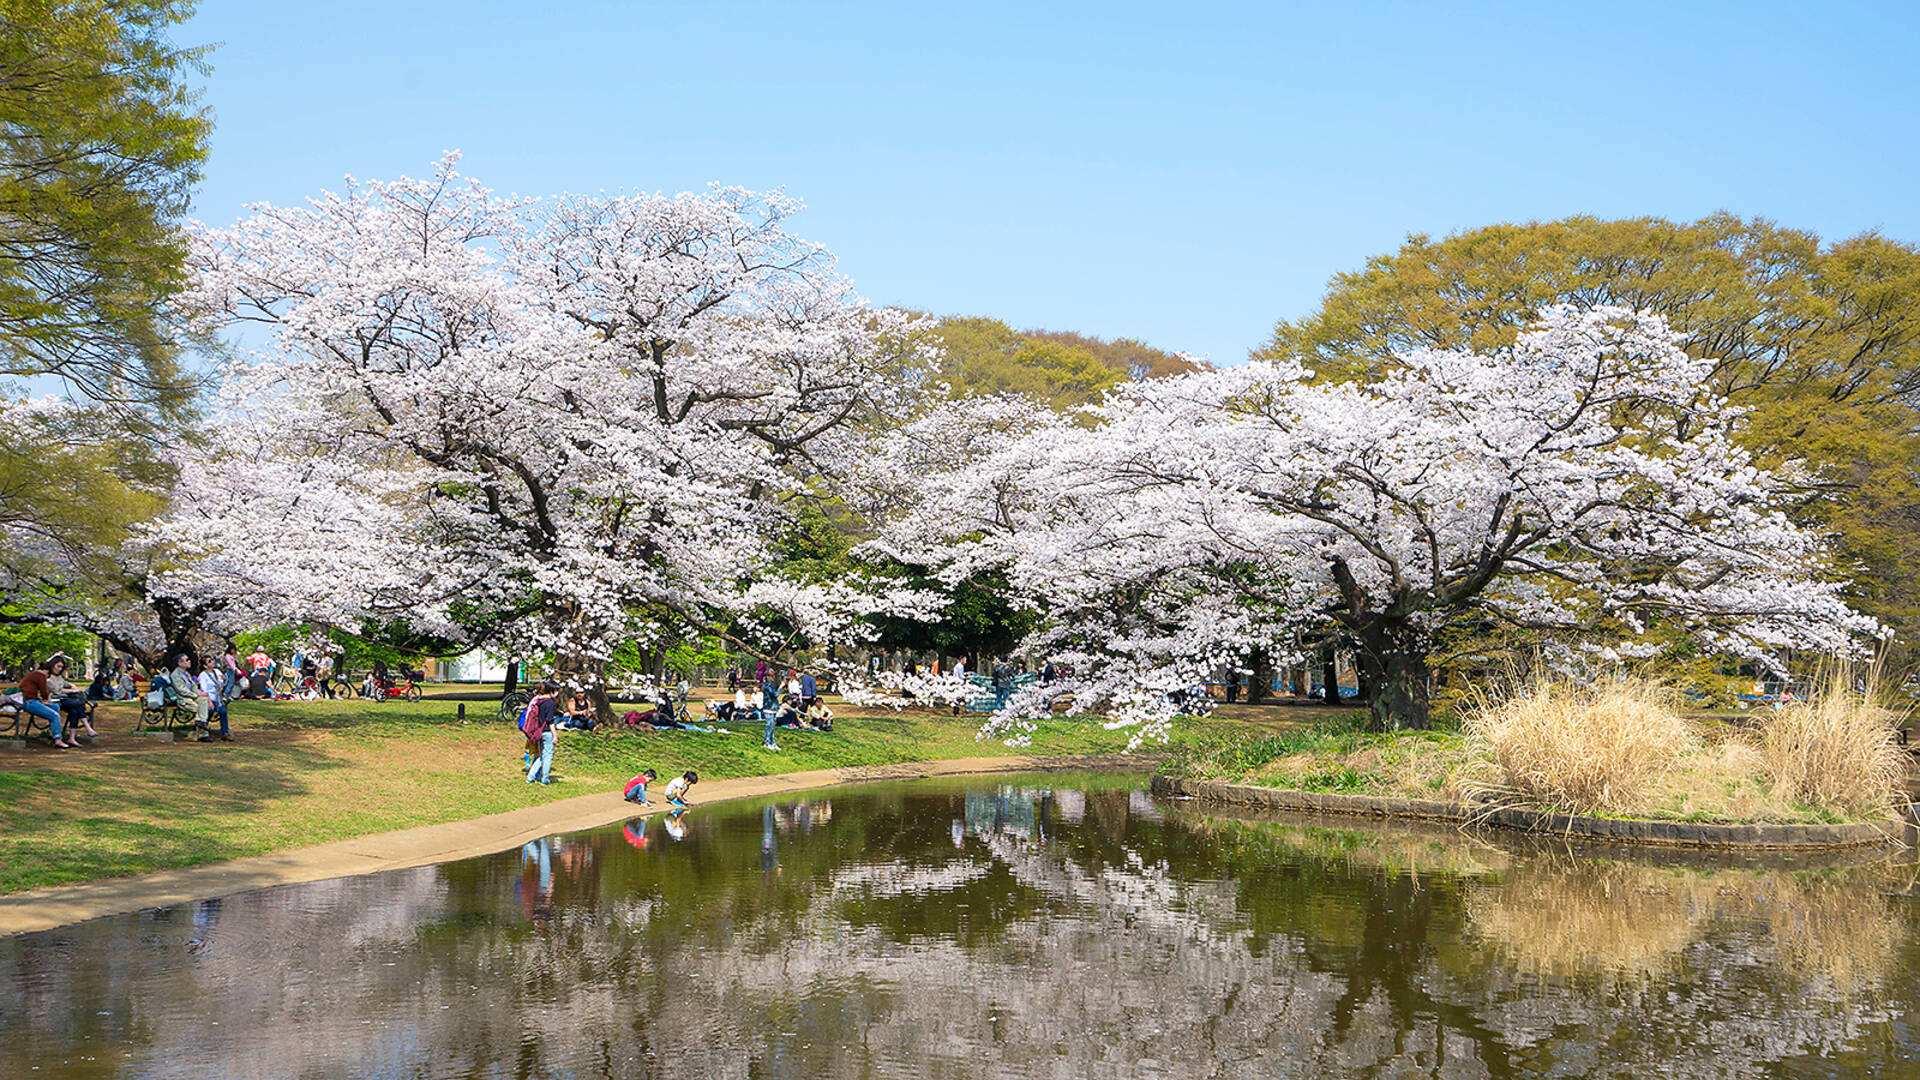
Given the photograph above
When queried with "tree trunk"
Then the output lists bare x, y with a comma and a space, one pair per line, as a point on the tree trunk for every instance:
1260, 683
589, 674
1330, 677
512, 681
1396, 665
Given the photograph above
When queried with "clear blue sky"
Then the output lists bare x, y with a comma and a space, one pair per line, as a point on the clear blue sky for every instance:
1181, 173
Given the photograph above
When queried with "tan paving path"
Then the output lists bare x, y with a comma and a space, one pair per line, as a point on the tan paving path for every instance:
60, 905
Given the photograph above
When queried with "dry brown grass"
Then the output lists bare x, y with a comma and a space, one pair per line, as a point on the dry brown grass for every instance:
1836, 751
1586, 748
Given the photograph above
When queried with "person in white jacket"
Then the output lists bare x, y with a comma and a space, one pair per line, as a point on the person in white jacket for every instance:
213, 684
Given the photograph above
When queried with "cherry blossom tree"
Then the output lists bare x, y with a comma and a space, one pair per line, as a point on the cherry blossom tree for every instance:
1583, 481
573, 418
194, 570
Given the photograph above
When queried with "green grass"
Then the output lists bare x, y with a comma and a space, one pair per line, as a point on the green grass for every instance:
1332, 753
302, 773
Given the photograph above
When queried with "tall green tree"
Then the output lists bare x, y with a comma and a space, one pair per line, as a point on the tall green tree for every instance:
1820, 340
101, 141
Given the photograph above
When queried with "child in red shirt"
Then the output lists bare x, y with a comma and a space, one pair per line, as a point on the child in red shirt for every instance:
637, 788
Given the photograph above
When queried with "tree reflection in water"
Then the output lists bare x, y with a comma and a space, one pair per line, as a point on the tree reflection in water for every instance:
971, 928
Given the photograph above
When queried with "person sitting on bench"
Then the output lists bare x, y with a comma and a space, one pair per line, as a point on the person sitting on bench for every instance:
184, 691
33, 698
70, 699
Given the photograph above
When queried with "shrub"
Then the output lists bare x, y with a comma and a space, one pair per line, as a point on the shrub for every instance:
1835, 751
1589, 748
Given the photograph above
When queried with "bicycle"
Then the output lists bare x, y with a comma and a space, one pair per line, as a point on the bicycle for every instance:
675, 705
512, 704
408, 688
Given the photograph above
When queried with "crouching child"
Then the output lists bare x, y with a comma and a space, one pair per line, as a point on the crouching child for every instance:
637, 788
677, 787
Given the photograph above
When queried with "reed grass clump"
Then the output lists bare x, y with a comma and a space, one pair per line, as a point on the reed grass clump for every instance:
1837, 750
1586, 748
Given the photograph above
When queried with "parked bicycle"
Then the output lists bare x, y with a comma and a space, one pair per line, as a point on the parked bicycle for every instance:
512, 704
408, 687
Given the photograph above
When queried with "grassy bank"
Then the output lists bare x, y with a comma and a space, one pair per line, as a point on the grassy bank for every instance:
301, 773
1710, 772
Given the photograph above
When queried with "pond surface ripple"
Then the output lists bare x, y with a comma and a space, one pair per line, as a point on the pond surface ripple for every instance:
985, 927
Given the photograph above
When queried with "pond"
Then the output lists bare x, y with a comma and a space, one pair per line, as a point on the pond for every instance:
985, 927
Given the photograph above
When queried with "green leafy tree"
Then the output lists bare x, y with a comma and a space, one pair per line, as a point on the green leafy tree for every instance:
1061, 368
1130, 357
101, 141
1820, 340
23, 645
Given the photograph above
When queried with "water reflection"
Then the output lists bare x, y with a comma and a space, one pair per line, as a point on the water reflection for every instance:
983, 928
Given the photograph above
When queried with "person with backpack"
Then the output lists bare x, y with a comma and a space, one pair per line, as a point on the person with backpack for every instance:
537, 724
1002, 683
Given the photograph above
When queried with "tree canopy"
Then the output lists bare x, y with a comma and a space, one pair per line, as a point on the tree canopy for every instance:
572, 416
1581, 480
1819, 340
1061, 368
101, 141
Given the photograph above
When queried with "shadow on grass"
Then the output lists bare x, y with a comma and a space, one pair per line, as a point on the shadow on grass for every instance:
177, 809
375, 718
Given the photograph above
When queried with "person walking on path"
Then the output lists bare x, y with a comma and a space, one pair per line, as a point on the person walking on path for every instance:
1002, 683
537, 726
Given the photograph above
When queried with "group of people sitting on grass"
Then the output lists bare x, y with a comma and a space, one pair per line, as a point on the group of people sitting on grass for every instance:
799, 707
552, 710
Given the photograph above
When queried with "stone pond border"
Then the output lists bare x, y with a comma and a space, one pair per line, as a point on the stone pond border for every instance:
1630, 830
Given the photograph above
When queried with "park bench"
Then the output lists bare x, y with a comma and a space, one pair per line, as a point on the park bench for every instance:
17, 723
161, 711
